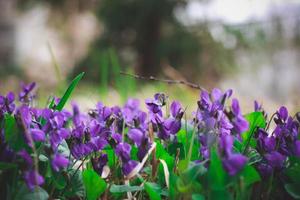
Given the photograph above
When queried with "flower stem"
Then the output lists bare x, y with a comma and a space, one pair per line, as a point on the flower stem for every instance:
248, 141
270, 186
189, 156
123, 131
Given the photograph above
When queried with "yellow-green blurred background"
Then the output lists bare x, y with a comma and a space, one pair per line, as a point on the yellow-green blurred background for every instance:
251, 46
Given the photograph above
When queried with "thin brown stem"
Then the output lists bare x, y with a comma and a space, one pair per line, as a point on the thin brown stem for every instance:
154, 160
270, 121
176, 160
168, 81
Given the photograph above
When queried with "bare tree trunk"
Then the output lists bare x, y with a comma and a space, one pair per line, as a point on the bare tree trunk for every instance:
147, 45
7, 37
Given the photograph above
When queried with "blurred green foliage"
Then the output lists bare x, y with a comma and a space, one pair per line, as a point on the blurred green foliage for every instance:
146, 36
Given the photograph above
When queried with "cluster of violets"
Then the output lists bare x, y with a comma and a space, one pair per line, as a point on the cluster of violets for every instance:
283, 142
214, 122
86, 135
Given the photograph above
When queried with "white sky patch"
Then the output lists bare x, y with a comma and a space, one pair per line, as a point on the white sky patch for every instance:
230, 11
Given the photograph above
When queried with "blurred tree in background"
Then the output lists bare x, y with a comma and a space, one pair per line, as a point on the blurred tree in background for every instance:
148, 36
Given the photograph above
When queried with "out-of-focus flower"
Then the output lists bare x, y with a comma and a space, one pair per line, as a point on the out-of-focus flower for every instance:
136, 135
59, 161
99, 162
232, 162
25, 95
104, 112
37, 135
123, 151
257, 106
265, 170
129, 166
55, 127
282, 113
173, 124
239, 122
97, 143
211, 118
141, 140
26, 157
275, 159
7, 103
154, 107
33, 178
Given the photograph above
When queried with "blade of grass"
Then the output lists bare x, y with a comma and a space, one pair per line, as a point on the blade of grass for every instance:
68, 92
130, 83
56, 66
104, 73
120, 85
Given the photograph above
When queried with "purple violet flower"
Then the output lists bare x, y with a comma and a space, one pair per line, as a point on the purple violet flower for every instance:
173, 124
136, 135
257, 107
59, 161
129, 166
33, 178
99, 162
7, 103
239, 122
232, 162
37, 135
123, 151
297, 148
26, 157
25, 95
275, 159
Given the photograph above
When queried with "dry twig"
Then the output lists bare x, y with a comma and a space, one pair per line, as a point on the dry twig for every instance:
168, 81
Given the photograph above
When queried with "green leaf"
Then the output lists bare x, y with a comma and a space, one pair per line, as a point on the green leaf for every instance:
94, 184
153, 190
254, 157
238, 146
52, 103
59, 181
133, 153
173, 192
188, 187
63, 148
23, 193
172, 150
43, 158
188, 180
293, 172
216, 173
68, 92
112, 158
293, 190
12, 134
124, 188
255, 119
182, 165
194, 171
76, 188
250, 175
182, 138
4, 165
198, 197
161, 153
220, 194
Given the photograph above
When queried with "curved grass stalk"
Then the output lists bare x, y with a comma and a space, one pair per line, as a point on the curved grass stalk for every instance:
138, 168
